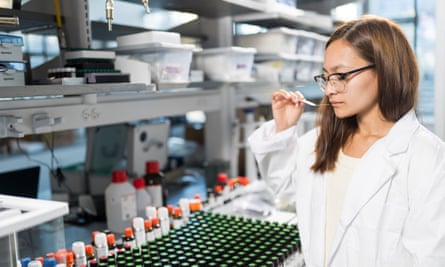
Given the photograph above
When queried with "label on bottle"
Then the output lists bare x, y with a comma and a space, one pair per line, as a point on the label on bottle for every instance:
128, 202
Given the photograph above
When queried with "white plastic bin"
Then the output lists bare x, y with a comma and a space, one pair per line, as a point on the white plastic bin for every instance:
148, 37
11, 47
169, 63
290, 67
311, 43
229, 64
277, 40
304, 69
12, 73
284, 69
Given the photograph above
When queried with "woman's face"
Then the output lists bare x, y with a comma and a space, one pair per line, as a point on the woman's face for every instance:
357, 94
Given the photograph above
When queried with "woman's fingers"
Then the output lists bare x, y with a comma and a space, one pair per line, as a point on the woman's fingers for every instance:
294, 97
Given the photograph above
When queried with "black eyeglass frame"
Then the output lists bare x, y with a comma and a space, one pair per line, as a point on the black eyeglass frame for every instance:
341, 75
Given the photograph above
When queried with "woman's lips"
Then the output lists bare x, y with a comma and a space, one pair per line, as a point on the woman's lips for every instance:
336, 103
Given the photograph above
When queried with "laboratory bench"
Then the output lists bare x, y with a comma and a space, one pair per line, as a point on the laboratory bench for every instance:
246, 204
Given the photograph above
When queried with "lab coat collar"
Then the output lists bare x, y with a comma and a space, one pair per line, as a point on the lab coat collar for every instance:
397, 140
376, 168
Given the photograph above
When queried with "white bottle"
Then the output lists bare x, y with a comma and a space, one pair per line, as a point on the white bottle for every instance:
151, 212
164, 220
80, 257
143, 199
139, 231
120, 202
101, 246
184, 205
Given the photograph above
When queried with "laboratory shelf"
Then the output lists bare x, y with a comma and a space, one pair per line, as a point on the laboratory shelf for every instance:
296, 19
80, 106
23, 213
28, 21
209, 8
29, 91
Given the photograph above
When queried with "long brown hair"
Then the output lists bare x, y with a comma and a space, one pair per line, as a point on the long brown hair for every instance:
380, 42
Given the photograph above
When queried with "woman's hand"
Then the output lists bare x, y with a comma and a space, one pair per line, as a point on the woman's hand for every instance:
287, 108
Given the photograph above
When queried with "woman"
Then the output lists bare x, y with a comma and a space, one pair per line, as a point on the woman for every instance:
369, 181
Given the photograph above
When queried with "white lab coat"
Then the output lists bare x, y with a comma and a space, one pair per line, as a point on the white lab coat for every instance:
394, 209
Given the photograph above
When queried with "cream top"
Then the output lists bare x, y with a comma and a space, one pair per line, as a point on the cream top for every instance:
336, 187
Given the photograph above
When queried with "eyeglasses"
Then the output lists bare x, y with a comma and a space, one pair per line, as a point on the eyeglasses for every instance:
337, 80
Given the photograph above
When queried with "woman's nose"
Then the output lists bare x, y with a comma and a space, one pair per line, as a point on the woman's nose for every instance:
329, 89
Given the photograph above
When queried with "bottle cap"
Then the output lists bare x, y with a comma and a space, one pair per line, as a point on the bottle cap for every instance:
119, 176
170, 208
61, 256
152, 167
195, 205
147, 224
69, 258
243, 180
139, 183
222, 178
111, 240
177, 212
218, 189
50, 255
89, 250
128, 232
154, 221
50, 262
25, 261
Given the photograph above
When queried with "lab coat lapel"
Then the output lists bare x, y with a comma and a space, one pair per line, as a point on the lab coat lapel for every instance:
376, 169
372, 174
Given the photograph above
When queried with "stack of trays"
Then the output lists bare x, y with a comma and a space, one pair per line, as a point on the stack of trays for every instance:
95, 66
12, 67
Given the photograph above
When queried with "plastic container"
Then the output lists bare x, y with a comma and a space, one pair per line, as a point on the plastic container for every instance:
290, 67
228, 64
12, 73
276, 40
285, 40
120, 202
149, 37
311, 43
169, 63
143, 199
154, 179
11, 47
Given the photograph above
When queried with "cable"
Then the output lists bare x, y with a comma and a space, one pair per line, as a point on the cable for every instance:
55, 173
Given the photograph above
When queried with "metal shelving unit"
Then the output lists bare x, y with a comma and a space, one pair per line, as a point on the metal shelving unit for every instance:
298, 20
209, 8
80, 106
28, 20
